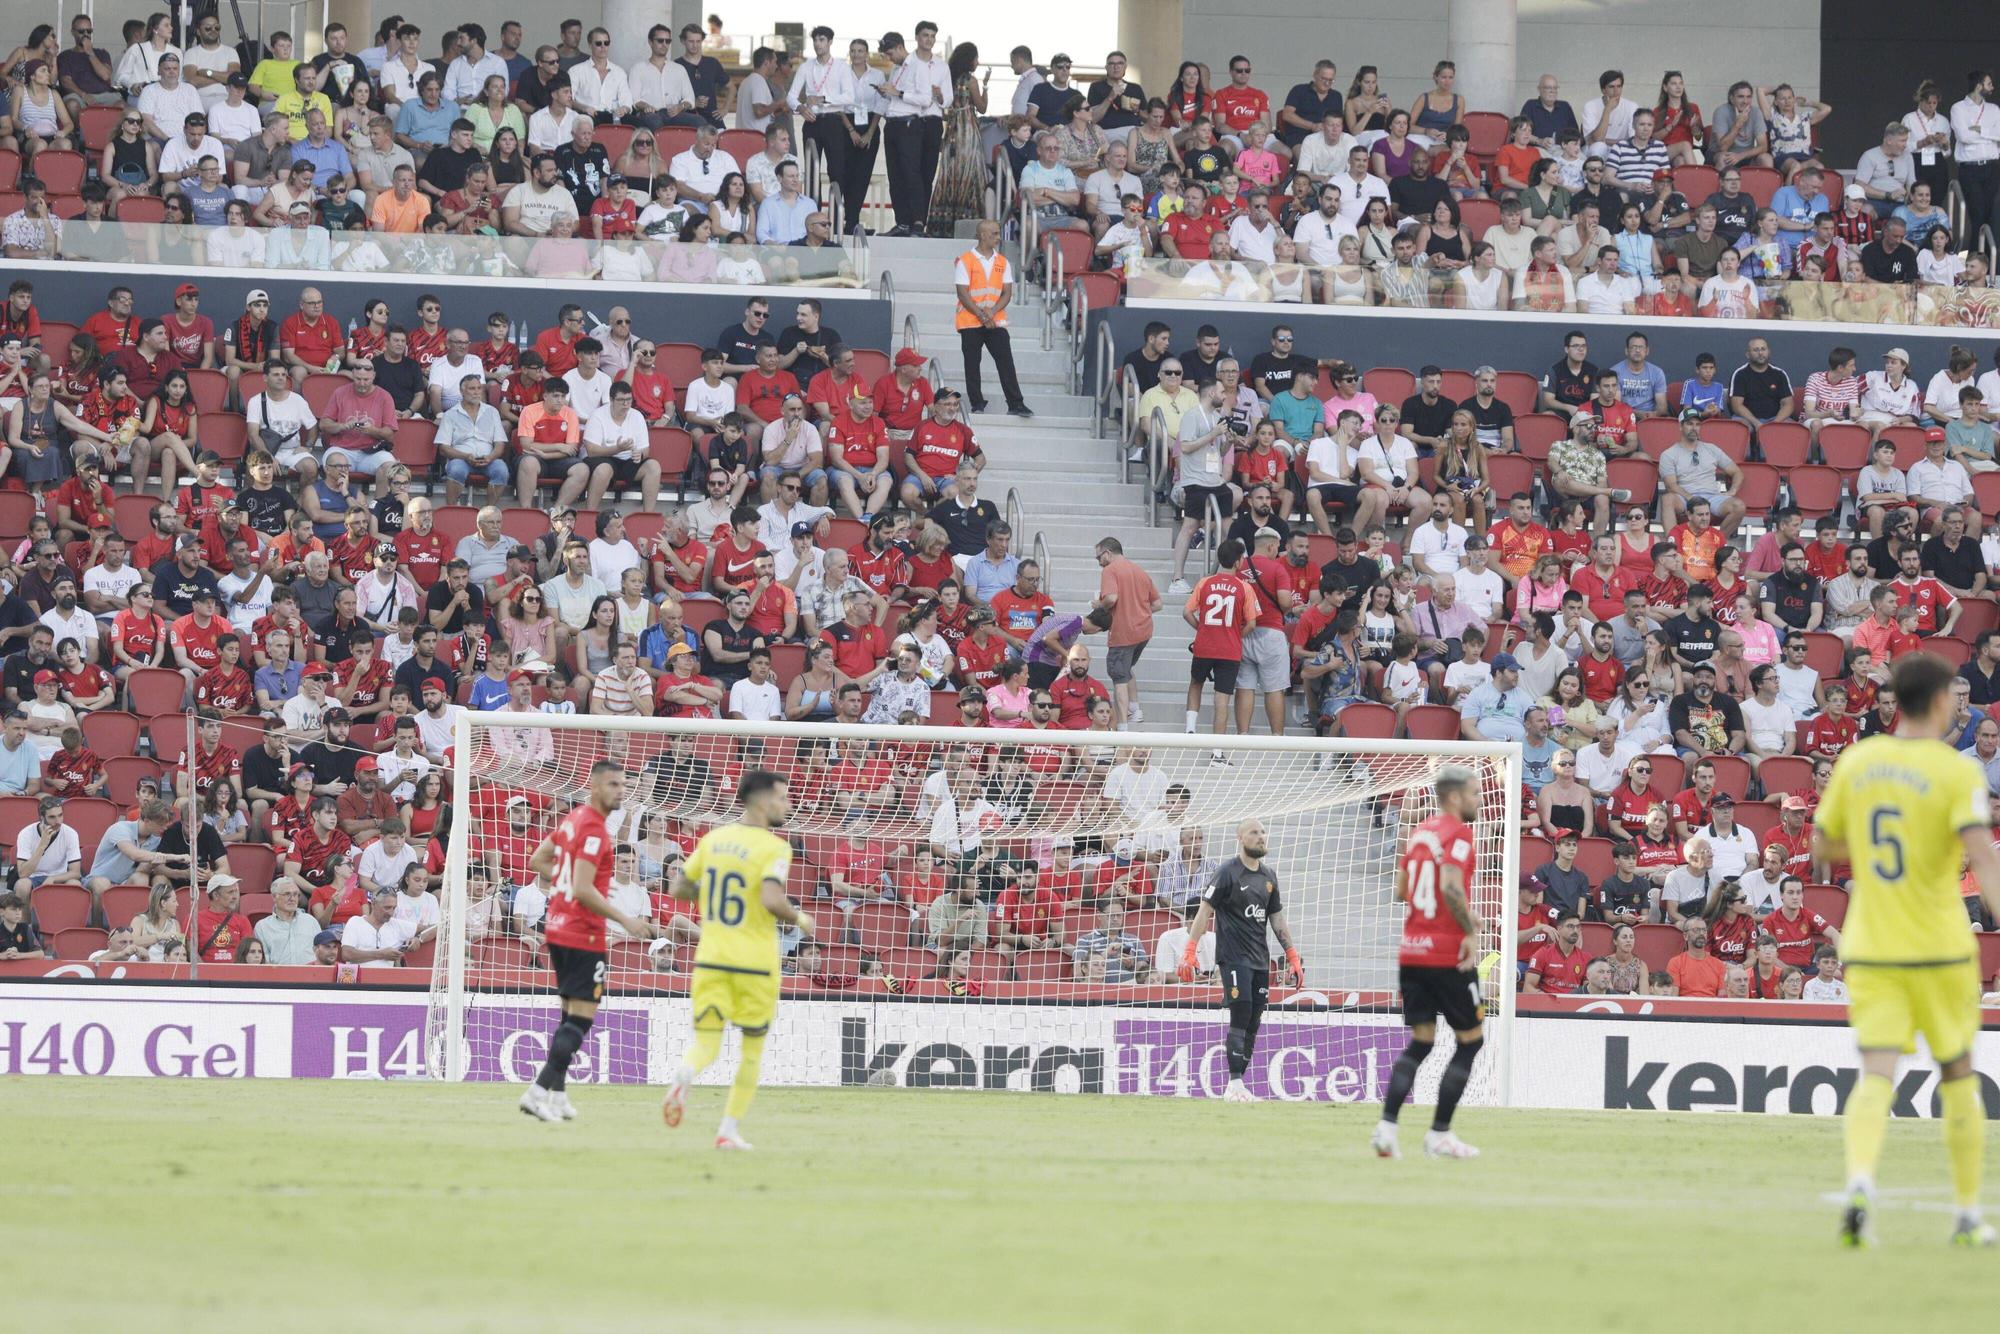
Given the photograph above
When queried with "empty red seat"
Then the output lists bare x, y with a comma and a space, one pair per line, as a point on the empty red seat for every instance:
155, 690
78, 942
111, 733
881, 926
58, 907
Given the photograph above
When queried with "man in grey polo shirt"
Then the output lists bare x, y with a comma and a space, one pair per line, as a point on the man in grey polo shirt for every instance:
485, 548
287, 934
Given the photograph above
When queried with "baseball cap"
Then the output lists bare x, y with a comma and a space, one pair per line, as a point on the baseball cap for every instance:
883, 519
802, 530
1933, 435
434, 683
336, 715
909, 356
203, 595
1581, 416
298, 771
512, 802
255, 294
1690, 414
1722, 799
1900, 354
1794, 802
1855, 192
45, 678
319, 671
187, 542
237, 80
522, 674
324, 937
186, 289
521, 553
676, 650
1506, 662
366, 765
340, 457
981, 616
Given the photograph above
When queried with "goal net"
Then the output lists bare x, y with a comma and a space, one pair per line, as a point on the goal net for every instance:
999, 908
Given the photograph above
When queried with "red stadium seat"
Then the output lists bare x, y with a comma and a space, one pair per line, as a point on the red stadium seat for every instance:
787, 661
1457, 386
987, 967
111, 733
1658, 434
1432, 722
1100, 290
1784, 444
415, 447
881, 926
1657, 943
1669, 774
1697, 182
17, 510
10, 164
1640, 476
453, 522
99, 124
740, 144
124, 902
1149, 924
670, 447
1829, 901
1389, 384
1785, 773
907, 964
1989, 955
845, 534
1489, 133
132, 516
1951, 648
78, 943
1816, 490
1597, 938
1732, 775
226, 433
255, 864
1510, 473
1760, 818
122, 775
1909, 443
1761, 184
318, 388
140, 208
155, 690
1520, 391
1477, 216
16, 814
1593, 858
679, 362
944, 708
1074, 246
1824, 653
90, 817
1986, 490
210, 390
1366, 720
522, 524
616, 139
1536, 433
168, 733
60, 907
1844, 446
1759, 492
1727, 434
1042, 966
60, 170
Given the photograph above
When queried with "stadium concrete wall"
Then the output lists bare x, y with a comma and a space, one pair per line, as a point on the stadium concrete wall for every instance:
673, 314
1526, 341
1600, 1053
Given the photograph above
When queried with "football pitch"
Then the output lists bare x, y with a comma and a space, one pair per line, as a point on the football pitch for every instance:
305, 1205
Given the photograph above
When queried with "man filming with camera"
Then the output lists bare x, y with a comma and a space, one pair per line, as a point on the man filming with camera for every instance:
1207, 436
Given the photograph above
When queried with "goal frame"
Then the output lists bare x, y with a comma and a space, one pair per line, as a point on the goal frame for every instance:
1506, 754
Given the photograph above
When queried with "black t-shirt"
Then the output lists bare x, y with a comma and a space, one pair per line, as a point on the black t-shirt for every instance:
1359, 577
731, 640
1245, 525
1692, 639
1489, 419
709, 82
329, 764
22, 938
1793, 599
1573, 389
1049, 101
268, 510
583, 172
388, 513
1275, 372
1144, 370
1243, 901
1616, 895
334, 639
208, 848
263, 770
1985, 689
1734, 216
19, 678
445, 167
440, 597
964, 527
403, 379
675, 781
1688, 714
413, 674
807, 365
1204, 164
1884, 265
1416, 198
738, 345
175, 591
1610, 201
1118, 117
1955, 568
1563, 891
1761, 391
1311, 107
1198, 368
15, 613
1430, 419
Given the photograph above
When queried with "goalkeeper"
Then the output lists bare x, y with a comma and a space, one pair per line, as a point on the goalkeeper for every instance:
1241, 902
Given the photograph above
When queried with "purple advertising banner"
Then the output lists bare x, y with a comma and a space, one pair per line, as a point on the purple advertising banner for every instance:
505, 1044
1316, 1061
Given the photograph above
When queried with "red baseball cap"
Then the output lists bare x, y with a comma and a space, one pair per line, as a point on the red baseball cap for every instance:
365, 765
319, 671
909, 356
434, 683
45, 678
186, 289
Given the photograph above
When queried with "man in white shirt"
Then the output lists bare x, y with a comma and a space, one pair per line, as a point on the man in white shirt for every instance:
779, 516
48, 849
181, 159
1104, 190
449, 372
822, 88
381, 863
436, 721
164, 105
598, 88
617, 445
374, 939
756, 99
1318, 234
1357, 187
589, 386
1324, 155
234, 118
555, 124
658, 86
1734, 846
1975, 133
404, 69
471, 438
1607, 118
465, 78
1939, 482
208, 64
1478, 587
532, 207
611, 552
1253, 236
699, 171
1437, 548
756, 698
1602, 767
1137, 787
1173, 944
1606, 291
918, 93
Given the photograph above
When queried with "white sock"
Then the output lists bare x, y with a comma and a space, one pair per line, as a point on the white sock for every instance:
1385, 1128
728, 1127
1971, 1216
684, 1076
1193, 721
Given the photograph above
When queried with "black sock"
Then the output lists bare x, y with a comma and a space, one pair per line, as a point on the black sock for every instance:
1404, 1078
1452, 1087
1239, 1052
563, 1046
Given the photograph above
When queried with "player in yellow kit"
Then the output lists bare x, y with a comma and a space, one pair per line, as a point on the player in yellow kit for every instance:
1904, 810
737, 874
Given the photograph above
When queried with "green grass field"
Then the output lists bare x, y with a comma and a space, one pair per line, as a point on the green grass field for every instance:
304, 1205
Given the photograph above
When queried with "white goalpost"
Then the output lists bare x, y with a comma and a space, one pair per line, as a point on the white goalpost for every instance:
990, 903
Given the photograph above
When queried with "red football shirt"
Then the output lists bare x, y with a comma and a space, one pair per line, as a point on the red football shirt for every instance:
1223, 605
137, 637
764, 394
1072, 698
1018, 615
423, 553
1516, 548
1689, 808
1560, 973
1627, 809
1824, 737
901, 409
1029, 914
314, 341
558, 353
856, 649
1240, 108
862, 443
1931, 599
199, 642
1268, 576
1601, 679
882, 573
981, 666
1431, 935
1795, 935
226, 690
937, 446
582, 836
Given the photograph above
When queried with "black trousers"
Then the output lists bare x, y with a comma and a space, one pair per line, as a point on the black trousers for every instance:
914, 143
1976, 182
858, 172
830, 133
996, 343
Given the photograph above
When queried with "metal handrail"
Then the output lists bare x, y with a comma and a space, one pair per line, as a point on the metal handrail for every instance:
885, 286
1078, 325
1029, 233
1156, 462
1004, 189
912, 338
1988, 245
1128, 414
1016, 516
934, 372
863, 250
1211, 526
1052, 288
1955, 208
1040, 551
1101, 396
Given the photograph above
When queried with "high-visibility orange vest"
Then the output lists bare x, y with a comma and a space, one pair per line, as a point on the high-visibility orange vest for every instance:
988, 282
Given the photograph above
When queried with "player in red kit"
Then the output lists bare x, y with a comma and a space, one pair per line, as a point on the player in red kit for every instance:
1223, 610
577, 858
1438, 962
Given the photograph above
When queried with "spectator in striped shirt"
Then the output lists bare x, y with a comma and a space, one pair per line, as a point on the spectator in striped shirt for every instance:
1633, 163
1834, 394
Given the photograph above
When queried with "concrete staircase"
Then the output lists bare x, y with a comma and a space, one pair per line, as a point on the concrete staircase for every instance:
1071, 484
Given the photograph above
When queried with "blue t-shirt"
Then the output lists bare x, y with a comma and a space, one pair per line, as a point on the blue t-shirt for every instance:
108, 861
1643, 390
1538, 763
1695, 394
19, 767
417, 121
487, 694
1297, 415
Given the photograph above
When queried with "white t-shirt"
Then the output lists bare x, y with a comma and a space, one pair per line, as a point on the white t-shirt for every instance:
1769, 725
1795, 688
1331, 458
62, 850
1735, 852
548, 132
400, 776
1441, 551
177, 157
217, 63
630, 898
1397, 459
102, 579
78, 624
599, 429
1607, 297
610, 560
711, 402
1466, 677
1480, 591
1140, 793
1600, 772
1318, 237
445, 378
592, 396
244, 615
361, 934
757, 704
302, 715
435, 734
290, 418
414, 912
703, 176
232, 123
540, 208
531, 905
385, 870
774, 530
1173, 944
